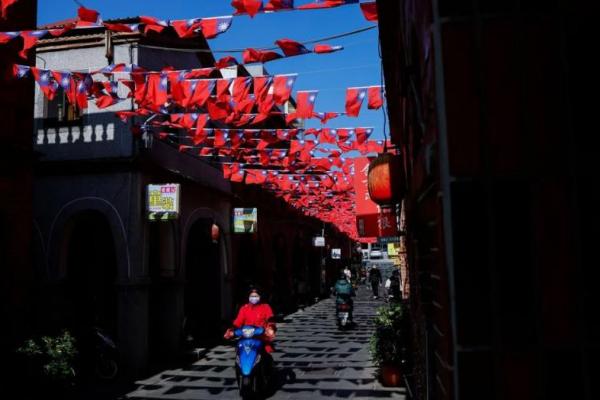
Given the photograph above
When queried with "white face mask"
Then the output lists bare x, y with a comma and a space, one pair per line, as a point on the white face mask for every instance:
254, 299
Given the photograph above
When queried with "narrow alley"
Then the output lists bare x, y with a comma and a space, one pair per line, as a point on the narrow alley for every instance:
313, 360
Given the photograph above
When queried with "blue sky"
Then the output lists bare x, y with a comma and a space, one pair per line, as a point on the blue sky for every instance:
357, 65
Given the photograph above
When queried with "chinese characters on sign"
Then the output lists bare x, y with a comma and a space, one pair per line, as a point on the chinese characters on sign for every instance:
388, 224
163, 201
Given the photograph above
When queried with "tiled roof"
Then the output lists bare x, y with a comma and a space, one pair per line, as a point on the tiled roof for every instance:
60, 24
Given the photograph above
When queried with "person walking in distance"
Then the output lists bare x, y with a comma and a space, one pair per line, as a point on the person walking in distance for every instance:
375, 279
393, 287
348, 274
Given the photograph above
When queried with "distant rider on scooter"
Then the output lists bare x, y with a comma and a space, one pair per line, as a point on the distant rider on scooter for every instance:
344, 292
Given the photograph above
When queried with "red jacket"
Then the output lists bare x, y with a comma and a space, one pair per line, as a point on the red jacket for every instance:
256, 315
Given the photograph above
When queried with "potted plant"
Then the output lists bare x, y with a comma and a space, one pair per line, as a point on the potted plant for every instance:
387, 344
49, 362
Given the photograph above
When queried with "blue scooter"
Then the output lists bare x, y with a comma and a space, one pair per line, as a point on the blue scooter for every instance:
251, 371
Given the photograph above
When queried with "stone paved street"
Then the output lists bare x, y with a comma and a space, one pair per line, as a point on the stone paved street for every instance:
313, 360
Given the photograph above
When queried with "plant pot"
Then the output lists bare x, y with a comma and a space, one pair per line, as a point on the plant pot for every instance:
391, 375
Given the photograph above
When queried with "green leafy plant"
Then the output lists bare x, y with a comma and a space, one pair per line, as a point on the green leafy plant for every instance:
387, 345
51, 357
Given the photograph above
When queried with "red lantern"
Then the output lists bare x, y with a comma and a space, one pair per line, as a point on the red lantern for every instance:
215, 233
386, 179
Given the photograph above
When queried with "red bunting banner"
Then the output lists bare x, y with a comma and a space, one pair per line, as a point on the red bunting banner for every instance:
239, 101
356, 95
253, 7
319, 4
312, 175
290, 48
87, 18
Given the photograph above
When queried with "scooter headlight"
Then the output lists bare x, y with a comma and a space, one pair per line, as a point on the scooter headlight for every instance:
248, 332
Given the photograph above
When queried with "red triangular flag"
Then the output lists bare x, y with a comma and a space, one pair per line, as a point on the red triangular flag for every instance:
261, 87
228, 61
187, 28
375, 100
305, 103
291, 47
259, 56
250, 7
325, 48
276, 5
202, 92
327, 135
354, 100
88, 15
369, 10
223, 89
282, 87
241, 88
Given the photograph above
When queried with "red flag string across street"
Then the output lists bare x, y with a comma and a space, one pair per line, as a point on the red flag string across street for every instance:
227, 121
209, 27
154, 89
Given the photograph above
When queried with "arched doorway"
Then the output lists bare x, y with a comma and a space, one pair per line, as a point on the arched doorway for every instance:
203, 286
88, 259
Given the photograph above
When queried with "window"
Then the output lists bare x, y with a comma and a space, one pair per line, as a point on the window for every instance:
59, 111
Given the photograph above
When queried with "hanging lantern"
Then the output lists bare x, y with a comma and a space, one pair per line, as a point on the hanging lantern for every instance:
386, 179
215, 232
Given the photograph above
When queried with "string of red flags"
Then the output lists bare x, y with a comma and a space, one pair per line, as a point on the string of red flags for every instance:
253, 7
209, 27
242, 100
356, 95
289, 47
326, 194
228, 122
325, 141
4, 4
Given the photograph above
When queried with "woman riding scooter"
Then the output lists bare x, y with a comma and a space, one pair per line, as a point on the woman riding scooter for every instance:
259, 315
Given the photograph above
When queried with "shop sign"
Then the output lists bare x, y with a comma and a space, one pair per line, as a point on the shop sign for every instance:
319, 241
388, 239
392, 249
163, 201
388, 224
245, 220
336, 254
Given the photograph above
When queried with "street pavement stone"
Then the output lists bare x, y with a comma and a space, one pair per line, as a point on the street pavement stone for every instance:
313, 360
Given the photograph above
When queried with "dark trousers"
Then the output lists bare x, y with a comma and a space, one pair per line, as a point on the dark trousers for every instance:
375, 288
